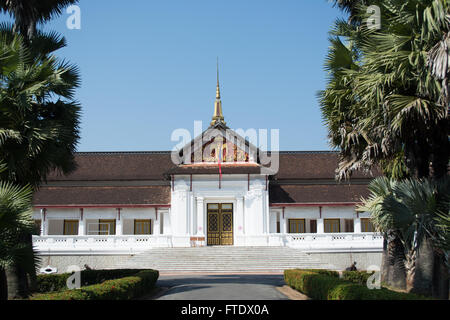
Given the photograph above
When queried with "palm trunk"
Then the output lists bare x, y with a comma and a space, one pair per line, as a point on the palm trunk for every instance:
3, 285
397, 273
393, 272
420, 274
32, 282
30, 270
385, 267
12, 283
440, 277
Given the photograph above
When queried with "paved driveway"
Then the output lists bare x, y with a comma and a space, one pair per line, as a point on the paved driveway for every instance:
221, 287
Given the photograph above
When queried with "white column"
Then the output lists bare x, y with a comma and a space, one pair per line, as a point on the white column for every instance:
357, 227
157, 225
240, 215
179, 212
267, 211
41, 231
82, 224
44, 222
119, 223
200, 217
191, 215
320, 226
283, 222
167, 229
273, 222
258, 219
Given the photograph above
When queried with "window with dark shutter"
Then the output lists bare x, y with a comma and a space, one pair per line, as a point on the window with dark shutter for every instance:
296, 225
366, 225
313, 226
349, 225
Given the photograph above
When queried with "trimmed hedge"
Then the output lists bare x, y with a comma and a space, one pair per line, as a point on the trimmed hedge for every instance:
360, 277
57, 282
320, 286
119, 289
325, 272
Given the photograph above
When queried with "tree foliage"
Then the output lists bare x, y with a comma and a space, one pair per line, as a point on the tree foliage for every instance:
28, 13
386, 100
39, 120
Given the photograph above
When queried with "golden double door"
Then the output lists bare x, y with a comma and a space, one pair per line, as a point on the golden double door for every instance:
220, 224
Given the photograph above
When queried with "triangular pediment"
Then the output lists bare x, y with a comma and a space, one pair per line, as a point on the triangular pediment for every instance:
219, 141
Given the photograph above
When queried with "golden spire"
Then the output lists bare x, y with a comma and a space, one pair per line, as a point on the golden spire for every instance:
218, 116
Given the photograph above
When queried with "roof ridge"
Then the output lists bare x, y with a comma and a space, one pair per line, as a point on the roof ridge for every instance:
308, 152
88, 153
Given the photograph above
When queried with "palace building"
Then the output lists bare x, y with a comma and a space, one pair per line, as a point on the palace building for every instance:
214, 192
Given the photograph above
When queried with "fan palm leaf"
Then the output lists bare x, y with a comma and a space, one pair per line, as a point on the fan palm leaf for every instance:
392, 107
27, 13
39, 121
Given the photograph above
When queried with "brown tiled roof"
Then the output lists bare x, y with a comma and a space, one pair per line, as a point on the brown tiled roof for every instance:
315, 172
118, 166
310, 165
214, 169
102, 195
106, 166
317, 193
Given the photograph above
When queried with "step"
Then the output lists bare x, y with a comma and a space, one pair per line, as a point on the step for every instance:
222, 259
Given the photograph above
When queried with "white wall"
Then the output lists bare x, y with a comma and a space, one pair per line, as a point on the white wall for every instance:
55, 217
312, 213
250, 215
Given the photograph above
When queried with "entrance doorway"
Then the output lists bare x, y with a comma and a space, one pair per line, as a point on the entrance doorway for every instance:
220, 224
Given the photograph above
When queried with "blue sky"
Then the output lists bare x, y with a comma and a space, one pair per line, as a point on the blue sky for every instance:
149, 67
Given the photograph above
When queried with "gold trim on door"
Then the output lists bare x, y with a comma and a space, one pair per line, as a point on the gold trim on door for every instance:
220, 224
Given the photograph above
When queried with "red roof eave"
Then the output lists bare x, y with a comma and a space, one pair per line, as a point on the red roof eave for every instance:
316, 204
80, 206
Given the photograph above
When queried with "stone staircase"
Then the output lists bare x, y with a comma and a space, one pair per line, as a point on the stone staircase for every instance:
222, 259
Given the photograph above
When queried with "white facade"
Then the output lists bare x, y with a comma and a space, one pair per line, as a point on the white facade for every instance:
184, 223
189, 206
184, 220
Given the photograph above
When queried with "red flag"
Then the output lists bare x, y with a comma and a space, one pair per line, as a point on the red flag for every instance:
220, 163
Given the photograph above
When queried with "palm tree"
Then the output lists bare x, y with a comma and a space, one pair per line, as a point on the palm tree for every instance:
39, 125
386, 104
27, 13
39, 120
16, 256
414, 209
393, 273
350, 7
394, 98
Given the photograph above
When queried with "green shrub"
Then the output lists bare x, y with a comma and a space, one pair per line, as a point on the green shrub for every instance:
321, 286
330, 273
325, 272
119, 289
57, 282
360, 277
51, 282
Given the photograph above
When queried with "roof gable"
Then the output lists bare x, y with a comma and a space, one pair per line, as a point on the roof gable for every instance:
218, 141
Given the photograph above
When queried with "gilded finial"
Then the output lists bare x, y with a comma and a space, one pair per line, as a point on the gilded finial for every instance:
218, 86
218, 116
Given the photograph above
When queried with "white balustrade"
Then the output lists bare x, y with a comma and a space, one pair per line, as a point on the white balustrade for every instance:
116, 244
335, 242
99, 244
